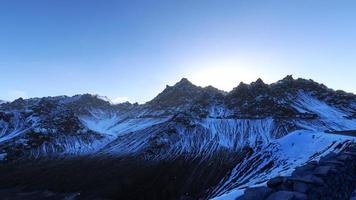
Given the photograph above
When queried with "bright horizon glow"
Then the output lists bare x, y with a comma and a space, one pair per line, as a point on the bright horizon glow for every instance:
130, 50
222, 75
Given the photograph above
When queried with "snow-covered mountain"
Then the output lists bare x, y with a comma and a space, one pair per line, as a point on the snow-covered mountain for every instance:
244, 137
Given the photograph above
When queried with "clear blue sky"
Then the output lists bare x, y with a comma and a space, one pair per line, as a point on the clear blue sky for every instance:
131, 49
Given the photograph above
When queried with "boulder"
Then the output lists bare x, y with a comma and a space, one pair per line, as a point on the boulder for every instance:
303, 170
328, 156
308, 179
300, 187
344, 157
322, 170
256, 193
353, 195
275, 182
350, 153
333, 162
287, 195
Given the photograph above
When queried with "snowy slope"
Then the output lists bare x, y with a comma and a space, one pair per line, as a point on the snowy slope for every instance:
194, 138
17, 126
286, 153
330, 118
114, 124
279, 157
170, 137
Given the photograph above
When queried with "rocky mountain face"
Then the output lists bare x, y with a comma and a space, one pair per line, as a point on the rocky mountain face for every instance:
189, 142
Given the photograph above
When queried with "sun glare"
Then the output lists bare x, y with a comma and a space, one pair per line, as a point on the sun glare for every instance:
223, 75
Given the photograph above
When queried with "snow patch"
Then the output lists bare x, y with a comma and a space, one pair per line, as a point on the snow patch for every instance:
114, 124
236, 133
330, 117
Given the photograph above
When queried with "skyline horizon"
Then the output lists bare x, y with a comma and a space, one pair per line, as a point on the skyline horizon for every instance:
126, 100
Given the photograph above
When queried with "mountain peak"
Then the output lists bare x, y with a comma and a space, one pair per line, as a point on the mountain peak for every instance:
290, 83
184, 82
259, 80
178, 94
288, 78
258, 83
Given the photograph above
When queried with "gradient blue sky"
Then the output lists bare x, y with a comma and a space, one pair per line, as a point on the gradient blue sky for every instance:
131, 49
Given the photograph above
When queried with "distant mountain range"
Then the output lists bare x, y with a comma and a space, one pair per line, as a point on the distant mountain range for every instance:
189, 142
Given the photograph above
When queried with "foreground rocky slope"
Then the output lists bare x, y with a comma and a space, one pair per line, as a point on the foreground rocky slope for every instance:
187, 133
333, 177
